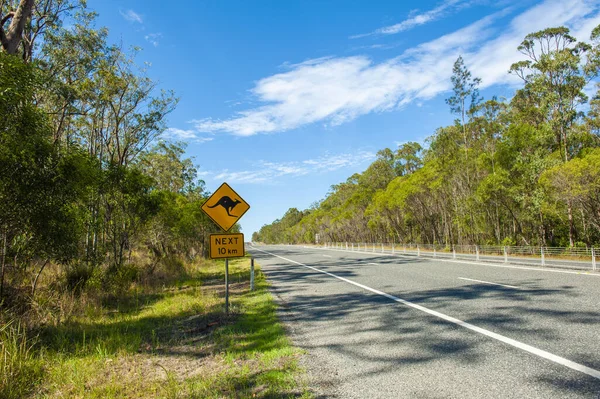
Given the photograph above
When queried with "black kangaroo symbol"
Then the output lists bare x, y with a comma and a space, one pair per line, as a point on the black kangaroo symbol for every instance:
226, 203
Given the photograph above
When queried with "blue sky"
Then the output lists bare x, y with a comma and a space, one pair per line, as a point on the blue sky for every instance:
282, 99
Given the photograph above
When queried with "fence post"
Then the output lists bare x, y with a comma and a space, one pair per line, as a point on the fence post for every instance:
382, 248
434, 251
251, 274
353, 246
505, 255
593, 260
346, 245
453, 252
542, 252
418, 250
477, 252
392, 249
373, 247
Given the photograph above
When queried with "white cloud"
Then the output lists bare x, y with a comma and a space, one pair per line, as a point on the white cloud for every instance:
417, 19
131, 16
153, 38
186, 135
266, 172
337, 90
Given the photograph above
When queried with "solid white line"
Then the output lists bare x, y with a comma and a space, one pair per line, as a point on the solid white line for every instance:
487, 282
517, 344
466, 262
376, 264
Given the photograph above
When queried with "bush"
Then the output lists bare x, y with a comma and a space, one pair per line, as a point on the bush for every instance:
77, 275
509, 242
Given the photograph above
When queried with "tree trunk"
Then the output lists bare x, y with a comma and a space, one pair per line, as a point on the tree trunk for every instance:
37, 277
563, 134
571, 225
11, 38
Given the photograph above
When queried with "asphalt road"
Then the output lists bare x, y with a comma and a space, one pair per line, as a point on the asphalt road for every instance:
381, 326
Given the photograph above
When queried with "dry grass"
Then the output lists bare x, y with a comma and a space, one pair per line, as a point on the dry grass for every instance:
169, 341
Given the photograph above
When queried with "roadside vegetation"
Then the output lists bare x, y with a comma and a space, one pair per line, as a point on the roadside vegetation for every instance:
168, 341
104, 286
518, 171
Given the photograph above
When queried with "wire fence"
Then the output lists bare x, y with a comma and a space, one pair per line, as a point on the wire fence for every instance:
562, 257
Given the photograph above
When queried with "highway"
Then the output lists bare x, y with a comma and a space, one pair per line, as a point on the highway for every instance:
383, 326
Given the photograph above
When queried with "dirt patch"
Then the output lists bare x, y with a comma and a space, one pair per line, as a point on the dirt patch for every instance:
179, 363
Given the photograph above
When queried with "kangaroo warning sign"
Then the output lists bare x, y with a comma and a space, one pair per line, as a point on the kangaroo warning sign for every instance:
227, 245
225, 207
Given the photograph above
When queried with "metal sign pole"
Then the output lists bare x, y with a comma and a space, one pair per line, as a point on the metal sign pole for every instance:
227, 286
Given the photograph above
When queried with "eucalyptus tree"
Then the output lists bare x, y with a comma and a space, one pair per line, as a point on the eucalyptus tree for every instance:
13, 19
165, 163
39, 186
555, 74
464, 101
578, 182
29, 21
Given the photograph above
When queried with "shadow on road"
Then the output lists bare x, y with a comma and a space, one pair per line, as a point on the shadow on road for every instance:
358, 324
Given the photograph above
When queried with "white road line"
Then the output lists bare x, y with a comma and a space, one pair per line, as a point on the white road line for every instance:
487, 282
371, 263
517, 344
467, 262
327, 256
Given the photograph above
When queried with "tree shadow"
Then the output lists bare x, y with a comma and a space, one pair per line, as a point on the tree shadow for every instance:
345, 323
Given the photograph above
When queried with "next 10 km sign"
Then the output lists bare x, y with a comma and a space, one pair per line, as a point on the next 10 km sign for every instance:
226, 245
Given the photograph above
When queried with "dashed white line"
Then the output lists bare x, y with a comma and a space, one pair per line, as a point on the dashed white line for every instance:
372, 263
517, 344
487, 282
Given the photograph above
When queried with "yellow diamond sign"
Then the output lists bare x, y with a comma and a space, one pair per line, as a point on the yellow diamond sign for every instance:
225, 207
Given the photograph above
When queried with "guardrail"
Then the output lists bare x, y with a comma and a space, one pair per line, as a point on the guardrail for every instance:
563, 257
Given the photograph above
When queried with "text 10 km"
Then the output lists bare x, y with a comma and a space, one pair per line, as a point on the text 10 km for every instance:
226, 251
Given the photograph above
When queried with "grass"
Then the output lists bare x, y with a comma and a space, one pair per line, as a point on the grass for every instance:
19, 369
175, 342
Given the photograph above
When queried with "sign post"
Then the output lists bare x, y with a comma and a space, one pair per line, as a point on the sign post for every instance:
227, 286
225, 207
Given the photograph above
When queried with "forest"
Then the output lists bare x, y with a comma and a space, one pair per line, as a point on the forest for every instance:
97, 208
91, 196
521, 171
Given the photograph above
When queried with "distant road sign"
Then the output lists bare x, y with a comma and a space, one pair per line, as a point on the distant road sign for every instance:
225, 207
227, 245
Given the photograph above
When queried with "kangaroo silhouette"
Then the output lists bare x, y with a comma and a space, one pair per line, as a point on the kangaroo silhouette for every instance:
226, 203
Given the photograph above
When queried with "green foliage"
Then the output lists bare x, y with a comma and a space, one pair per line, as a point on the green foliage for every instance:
522, 172
170, 171
85, 183
94, 207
